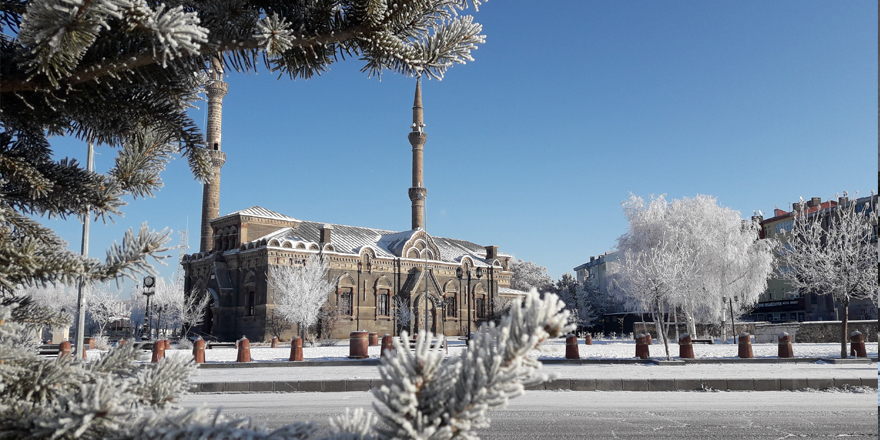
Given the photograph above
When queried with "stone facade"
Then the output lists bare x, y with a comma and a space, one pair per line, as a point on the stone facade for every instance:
449, 285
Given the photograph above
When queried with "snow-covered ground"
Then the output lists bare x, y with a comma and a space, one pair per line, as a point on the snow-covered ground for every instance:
554, 349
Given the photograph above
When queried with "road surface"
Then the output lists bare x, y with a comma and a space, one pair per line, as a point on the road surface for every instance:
608, 415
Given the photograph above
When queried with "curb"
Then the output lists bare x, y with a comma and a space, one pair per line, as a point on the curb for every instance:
329, 386
653, 361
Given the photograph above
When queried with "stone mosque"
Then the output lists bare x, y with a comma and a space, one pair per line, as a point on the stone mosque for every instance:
448, 284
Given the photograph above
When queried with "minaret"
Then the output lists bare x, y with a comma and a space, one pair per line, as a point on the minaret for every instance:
216, 90
417, 139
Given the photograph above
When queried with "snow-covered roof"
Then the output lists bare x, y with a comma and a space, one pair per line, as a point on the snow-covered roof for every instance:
509, 291
259, 211
388, 244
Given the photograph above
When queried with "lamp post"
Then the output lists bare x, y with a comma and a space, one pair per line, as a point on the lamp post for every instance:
480, 277
459, 274
149, 290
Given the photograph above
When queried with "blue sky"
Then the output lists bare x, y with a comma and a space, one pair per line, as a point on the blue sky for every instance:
567, 109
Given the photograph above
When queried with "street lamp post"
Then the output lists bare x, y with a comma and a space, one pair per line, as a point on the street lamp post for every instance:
459, 274
149, 290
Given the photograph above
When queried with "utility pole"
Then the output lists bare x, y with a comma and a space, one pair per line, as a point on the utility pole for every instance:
80, 303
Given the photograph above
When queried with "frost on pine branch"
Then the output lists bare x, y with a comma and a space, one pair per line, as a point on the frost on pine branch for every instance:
422, 397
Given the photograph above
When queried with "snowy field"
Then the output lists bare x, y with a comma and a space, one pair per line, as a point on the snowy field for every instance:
554, 349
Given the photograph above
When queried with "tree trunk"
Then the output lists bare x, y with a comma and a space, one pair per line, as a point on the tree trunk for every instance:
691, 324
662, 329
844, 320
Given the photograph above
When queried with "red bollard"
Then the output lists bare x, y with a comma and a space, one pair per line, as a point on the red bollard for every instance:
857, 344
387, 344
648, 338
274, 342
89, 342
244, 350
642, 350
686, 347
64, 349
158, 350
296, 349
199, 351
571, 347
785, 350
373, 337
745, 346
357, 345
168, 344
588, 340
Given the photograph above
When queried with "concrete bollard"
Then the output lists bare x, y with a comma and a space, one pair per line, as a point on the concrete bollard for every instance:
857, 344
358, 344
648, 338
244, 350
785, 350
296, 349
64, 349
387, 344
685, 347
158, 350
199, 351
373, 338
642, 350
571, 347
745, 346
274, 342
588, 340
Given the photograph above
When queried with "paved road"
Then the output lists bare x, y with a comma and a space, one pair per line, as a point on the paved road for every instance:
624, 415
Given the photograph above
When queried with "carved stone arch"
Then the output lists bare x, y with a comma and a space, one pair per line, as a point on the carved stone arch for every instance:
262, 242
466, 263
250, 278
420, 240
274, 242
301, 245
367, 251
383, 283
287, 244
450, 287
497, 264
243, 247
413, 253
329, 248
479, 289
313, 247
347, 280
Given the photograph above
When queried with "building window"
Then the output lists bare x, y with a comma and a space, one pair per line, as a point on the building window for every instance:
251, 303
451, 309
345, 302
382, 303
481, 307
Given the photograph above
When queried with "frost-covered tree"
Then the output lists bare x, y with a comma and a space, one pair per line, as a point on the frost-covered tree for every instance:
300, 291
105, 307
402, 313
724, 256
528, 275
122, 73
834, 252
590, 305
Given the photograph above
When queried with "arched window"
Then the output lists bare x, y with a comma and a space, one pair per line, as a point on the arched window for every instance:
345, 301
481, 306
382, 303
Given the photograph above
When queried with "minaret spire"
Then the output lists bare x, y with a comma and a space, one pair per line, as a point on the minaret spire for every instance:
417, 138
216, 90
